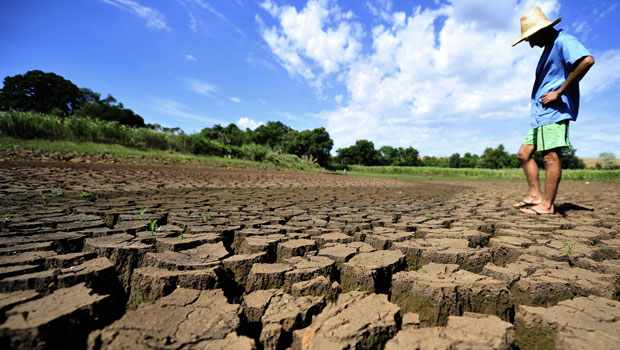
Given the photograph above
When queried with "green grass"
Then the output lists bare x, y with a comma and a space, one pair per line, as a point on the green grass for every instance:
508, 175
273, 160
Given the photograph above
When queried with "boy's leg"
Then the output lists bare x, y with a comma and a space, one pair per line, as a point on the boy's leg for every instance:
553, 175
530, 169
552, 138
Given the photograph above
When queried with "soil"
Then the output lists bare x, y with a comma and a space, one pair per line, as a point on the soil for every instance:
101, 255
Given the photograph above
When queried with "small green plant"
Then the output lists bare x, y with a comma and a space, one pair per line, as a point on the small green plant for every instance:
42, 195
434, 304
441, 194
207, 217
142, 211
84, 222
84, 194
429, 216
55, 193
6, 218
152, 226
181, 236
474, 224
569, 246
357, 262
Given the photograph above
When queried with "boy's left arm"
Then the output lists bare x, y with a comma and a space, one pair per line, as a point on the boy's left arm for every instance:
582, 67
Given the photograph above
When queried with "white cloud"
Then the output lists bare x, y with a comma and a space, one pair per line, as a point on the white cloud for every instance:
235, 99
201, 87
190, 58
199, 9
153, 18
178, 111
604, 74
244, 123
424, 73
315, 42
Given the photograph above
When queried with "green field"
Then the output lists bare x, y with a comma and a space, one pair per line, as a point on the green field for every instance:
291, 162
272, 160
412, 173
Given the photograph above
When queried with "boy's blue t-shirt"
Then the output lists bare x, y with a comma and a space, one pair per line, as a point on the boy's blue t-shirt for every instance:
556, 63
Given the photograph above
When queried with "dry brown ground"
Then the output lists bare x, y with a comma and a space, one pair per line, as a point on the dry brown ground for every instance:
256, 259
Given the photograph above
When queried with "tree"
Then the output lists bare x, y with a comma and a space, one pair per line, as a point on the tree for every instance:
315, 143
496, 158
271, 134
109, 112
608, 161
469, 161
454, 161
362, 153
40, 92
570, 160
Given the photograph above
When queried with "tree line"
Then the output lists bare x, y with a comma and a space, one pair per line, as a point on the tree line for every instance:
51, 94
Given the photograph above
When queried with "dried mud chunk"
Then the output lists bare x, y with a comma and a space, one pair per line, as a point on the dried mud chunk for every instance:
26, 258
180, 320
231, 342
98, 274
68, 260
443, 251
347, 324
8, 300
332, 237
581, 323
240, 265
371, 272
507, 249
75, 311
385, 241
308, 268
255, 303
253, 245
187, 242
266, 276
10, 271
150, 283
547, 286
125, 253
201, 257
471, 331
340, 253
295, 247
28, 247
437, 291
285, 314
316, 286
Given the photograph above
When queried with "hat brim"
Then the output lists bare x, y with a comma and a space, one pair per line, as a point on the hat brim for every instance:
535, 30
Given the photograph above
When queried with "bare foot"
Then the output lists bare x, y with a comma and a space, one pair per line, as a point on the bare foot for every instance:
527, 202
538, 210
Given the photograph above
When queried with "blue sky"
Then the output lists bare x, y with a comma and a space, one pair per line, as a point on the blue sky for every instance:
440, 76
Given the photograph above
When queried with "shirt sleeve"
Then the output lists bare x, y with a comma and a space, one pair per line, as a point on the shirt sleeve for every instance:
573, 50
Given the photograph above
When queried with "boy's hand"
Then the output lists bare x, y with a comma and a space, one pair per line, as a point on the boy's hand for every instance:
549, 98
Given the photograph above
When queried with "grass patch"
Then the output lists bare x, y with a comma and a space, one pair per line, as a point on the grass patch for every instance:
272, 160
475, 174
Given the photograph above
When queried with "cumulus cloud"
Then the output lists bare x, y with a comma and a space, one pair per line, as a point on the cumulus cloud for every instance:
317, 41
235, 99
414, 78
154, 19
248, 123
190, 57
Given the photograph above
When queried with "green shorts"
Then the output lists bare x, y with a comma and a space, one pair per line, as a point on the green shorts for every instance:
550, 136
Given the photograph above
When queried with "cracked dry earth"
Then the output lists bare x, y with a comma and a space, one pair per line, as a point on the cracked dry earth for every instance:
150, 257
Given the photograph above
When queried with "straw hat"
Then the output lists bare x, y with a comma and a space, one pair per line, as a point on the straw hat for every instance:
533, 21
